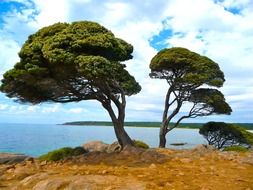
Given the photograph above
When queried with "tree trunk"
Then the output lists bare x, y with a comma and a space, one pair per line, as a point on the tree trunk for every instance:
162, 136
121, 134
118, 123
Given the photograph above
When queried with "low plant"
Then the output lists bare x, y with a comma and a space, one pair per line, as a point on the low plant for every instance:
62, 153
140, 144
236, 148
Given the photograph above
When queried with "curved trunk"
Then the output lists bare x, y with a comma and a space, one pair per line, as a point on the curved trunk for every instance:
121, 134
162, 136
118, 124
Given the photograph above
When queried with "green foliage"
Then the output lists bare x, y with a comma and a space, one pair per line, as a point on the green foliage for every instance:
236, 149
212, 99
70, 62
183, 66
140, 144
223, 135
62, 153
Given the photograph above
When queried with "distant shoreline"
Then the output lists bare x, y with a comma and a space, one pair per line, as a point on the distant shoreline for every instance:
248, 126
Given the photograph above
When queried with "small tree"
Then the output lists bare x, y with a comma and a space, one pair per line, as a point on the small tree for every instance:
186, 72
223, 135
74, 62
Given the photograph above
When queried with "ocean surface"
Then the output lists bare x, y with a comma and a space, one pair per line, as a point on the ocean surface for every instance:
38, 139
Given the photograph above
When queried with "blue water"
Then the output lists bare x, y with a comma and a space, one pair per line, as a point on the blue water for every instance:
37, 139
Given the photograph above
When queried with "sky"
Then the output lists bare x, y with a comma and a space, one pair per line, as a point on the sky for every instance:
219, 29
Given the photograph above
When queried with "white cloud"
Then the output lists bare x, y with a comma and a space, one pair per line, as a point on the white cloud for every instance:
76, 110
50, 12
3, 106
52, 109
8, 53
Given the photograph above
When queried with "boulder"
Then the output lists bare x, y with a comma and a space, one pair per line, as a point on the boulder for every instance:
132, 150
99, 146
9, 158
114, 147
96, 146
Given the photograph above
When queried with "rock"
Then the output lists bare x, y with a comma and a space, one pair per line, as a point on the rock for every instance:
131, 150
202, 169
204, 148
43, 163
50, 184
181, 174
30, 159
152, 166
33, 178
185, 160
96, 146
114, 147
9, 158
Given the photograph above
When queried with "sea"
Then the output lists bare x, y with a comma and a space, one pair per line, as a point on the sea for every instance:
37, 139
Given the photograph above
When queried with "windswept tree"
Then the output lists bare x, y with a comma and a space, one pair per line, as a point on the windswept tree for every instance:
74, 62
222, 135
187, 73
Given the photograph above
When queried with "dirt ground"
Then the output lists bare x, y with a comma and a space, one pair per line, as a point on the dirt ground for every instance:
200, 169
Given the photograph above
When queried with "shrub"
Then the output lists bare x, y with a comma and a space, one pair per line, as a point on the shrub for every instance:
62, 153
79, 150
236, 148
140, 144
221, 135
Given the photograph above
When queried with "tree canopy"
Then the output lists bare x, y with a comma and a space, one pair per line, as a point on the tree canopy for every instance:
187, 73
184, 68
70, 62
221, 135
73, 62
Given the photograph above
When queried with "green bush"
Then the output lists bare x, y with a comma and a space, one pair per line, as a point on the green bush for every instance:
140, 144
78, 151
62, 153
236, 148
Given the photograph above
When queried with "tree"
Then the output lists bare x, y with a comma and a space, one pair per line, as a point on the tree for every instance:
74, 62
221, 135
186, 73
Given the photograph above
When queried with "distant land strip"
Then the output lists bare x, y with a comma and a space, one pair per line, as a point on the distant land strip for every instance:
248, 126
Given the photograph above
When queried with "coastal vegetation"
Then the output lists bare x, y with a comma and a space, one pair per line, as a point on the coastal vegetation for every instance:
236, 148
62, 153
73, 62
223, 135
140, 144
187, 73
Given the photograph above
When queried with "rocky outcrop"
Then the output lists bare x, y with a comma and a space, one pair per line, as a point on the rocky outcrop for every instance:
99, 146
95, 146
88, 182
135, 168
9, 158
204, 148
114, 147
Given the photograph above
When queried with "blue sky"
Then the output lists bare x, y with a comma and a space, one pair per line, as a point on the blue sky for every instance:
221, 30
